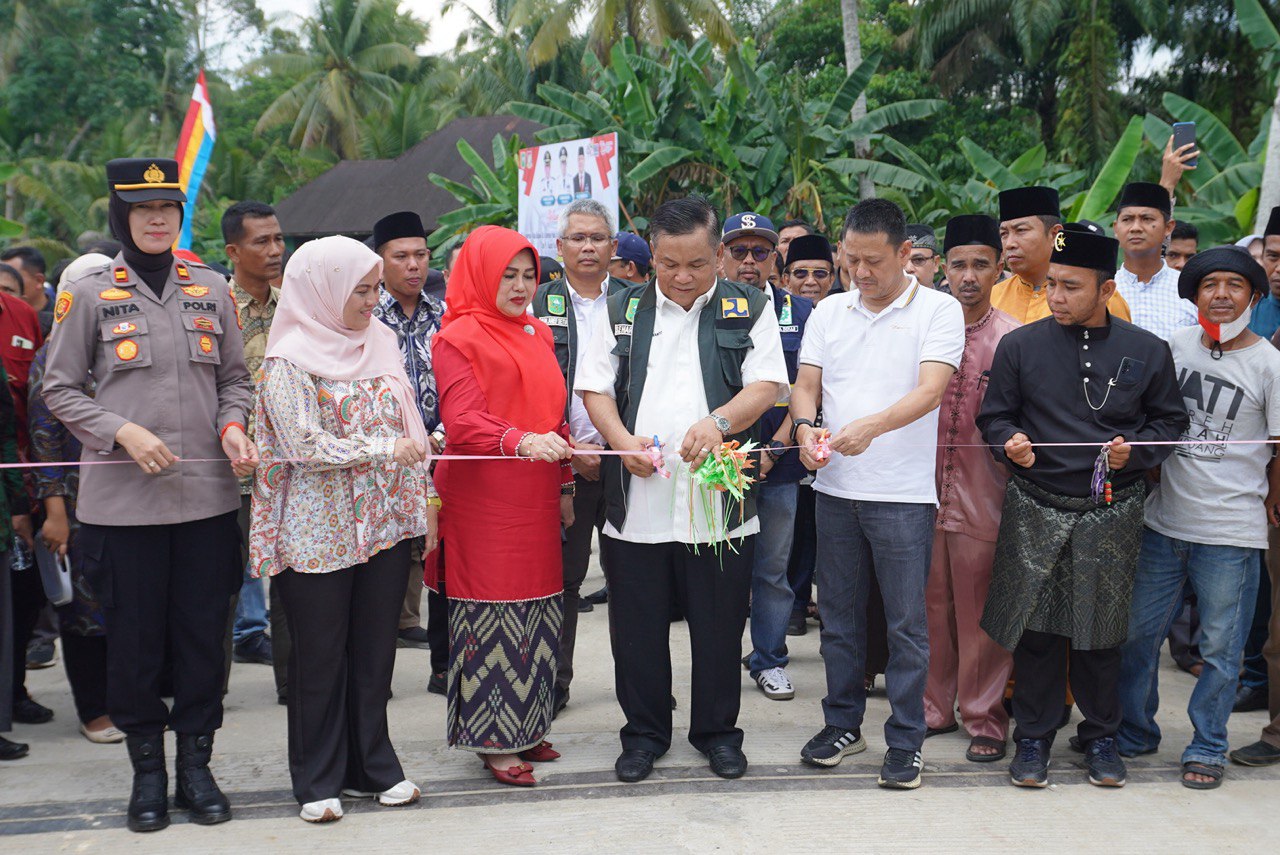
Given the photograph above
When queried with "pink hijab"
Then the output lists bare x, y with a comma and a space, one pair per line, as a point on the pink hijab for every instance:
308, 329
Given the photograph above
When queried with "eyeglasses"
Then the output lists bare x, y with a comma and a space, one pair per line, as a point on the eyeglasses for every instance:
802, 273
582, 240
759, 253
922, 259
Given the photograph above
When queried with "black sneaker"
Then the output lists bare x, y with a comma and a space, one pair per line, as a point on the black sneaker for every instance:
831, 745
415, 637
1106, 769
40, 654
435, 685
256, 650
598, 598
1030, 766
901, 769
797, 624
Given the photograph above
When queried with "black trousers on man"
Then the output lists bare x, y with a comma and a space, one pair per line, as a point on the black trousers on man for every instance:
343, 625
588, 516
29, 601
714, 586
1040, 662
158, 585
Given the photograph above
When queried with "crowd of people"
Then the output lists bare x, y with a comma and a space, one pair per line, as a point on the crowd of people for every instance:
999, 468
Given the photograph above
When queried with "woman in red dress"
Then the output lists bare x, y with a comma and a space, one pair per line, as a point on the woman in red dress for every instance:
501, 393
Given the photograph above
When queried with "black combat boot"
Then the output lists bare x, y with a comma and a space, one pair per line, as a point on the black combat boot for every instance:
196, 791
149, 802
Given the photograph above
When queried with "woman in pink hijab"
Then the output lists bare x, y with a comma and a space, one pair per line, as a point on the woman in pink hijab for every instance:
343, 490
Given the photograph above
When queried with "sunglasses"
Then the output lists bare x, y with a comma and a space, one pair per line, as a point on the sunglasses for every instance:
759, 253
802, 273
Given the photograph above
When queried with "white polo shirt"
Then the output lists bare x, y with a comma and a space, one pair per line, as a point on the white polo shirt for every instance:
662, 510
870, 361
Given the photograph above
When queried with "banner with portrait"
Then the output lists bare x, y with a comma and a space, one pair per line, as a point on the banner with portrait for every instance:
552, 176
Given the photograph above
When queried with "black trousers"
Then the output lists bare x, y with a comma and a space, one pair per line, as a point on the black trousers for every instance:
6, 642
588, 516
644, 582
275, 611
85, 658
1040, 662
344, 627
28, 602
438, 628
158, 585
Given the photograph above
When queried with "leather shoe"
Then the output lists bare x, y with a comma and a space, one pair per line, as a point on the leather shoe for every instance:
728, 761
435, 685
598, 598
1247, 700
559, 700
634, 765
27, 711
10, 750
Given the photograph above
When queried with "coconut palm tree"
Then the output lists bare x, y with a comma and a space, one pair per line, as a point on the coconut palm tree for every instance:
609, 21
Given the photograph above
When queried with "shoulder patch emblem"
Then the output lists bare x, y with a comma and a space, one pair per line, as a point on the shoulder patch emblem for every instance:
632, 305
734, 307
195, 290
206, 344
127, 350
61, 307
114, 294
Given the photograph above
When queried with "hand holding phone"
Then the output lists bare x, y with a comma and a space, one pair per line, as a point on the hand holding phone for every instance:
1184, 134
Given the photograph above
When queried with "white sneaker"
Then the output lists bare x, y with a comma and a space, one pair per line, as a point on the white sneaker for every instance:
404, 793
325, 810
775, 684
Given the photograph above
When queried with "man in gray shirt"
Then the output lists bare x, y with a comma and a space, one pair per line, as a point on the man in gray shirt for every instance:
1206, 521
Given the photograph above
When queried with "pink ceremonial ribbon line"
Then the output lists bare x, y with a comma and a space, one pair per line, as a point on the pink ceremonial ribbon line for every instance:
612, 453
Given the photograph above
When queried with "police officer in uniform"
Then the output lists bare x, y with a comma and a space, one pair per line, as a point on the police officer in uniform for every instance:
159, 538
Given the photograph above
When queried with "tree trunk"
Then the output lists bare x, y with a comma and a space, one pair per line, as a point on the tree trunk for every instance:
852, 59
1269, 196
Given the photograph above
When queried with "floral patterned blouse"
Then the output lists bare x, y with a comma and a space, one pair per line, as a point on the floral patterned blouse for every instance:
348, 499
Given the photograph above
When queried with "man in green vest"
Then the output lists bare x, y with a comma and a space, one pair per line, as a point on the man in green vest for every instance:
685, 364
571, 306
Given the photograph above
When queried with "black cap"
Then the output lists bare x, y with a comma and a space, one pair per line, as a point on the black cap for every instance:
922, 237
809, 248
1273, 224
1029, 202
1232, 259
144, 179
402, 224
1085, 226
971, 229
1085, 249
549, 270
1143, 194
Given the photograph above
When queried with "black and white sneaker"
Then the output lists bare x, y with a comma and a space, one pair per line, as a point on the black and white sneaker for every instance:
1106, 769
831, 745
775, 684
1030, 766
901, 769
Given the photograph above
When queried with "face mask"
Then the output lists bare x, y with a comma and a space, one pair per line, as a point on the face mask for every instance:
1219, 333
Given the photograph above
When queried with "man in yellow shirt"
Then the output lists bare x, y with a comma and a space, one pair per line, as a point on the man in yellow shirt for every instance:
1030, 221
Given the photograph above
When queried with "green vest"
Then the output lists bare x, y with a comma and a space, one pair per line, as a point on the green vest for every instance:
724, 339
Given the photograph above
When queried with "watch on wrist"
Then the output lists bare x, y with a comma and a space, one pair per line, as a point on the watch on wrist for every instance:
721, 423
774, 448
795, 426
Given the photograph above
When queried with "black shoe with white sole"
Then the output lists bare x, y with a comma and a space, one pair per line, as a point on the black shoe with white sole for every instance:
1030, 766
901, 769
831, 745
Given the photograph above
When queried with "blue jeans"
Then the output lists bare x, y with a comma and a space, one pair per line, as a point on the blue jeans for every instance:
771, 594
1254, 673
894, 540
1225, 581
251, 610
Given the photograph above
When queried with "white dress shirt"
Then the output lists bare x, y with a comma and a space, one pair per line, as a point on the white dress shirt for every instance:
662, 510
585, 312
1155, 305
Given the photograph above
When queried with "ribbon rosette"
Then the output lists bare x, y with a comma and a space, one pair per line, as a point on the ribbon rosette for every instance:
725, 469
655, 456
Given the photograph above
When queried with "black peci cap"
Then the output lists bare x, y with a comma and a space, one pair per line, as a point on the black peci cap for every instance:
402, 224
1232, 259
1029, 202
549, 270
1085, 226
1273, 224
809, 248
142, 179
1085, 249
970, 230
1142, 194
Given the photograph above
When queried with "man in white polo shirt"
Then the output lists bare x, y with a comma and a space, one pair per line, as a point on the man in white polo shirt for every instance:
877, 360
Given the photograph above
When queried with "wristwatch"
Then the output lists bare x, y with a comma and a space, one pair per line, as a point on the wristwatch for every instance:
721, 423
774, 448
795, 425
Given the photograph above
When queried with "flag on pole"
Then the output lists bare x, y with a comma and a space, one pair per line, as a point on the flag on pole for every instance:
195, 146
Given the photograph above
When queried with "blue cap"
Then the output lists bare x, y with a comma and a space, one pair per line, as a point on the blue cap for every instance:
632, 247
748, 223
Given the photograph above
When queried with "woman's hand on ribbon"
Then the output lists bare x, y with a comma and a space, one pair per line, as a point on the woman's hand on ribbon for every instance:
146, 449
409, 452
547, 447
242, 453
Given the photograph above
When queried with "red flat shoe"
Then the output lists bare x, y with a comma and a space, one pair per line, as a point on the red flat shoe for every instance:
516, 776
543, 752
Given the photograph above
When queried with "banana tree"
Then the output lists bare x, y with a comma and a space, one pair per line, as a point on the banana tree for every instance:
8, 228
1263, 35
491, 198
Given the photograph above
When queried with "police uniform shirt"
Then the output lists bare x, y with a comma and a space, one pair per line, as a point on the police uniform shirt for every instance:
658, 509
173, 365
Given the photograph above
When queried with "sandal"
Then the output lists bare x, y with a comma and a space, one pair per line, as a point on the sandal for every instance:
516, 776
543, 752
985, 742
1194, 768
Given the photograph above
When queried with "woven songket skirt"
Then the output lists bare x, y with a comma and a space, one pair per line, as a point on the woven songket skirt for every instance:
502, 671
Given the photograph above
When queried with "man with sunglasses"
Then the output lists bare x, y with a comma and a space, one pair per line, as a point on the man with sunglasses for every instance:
750, 249
809, 271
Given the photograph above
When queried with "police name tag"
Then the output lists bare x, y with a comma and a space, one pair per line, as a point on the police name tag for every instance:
790, 328
621, 330
552, 321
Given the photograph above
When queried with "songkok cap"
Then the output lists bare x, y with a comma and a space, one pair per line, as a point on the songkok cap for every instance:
632, 247
922, 237
1085, 226
402, 224
549, 270
142, 179
1143, 194
748, 223
1029, 202
1231, 259
972, 229
1273, 224
808, 248
1085, 249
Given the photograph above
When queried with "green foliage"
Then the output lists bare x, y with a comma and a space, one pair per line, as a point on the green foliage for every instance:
490, 199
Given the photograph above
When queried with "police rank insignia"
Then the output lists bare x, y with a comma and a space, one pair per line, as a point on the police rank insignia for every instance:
734, 307
124, 328
555, 304
182, 271
120, 274
632, 305
114, 294
61, 307
194, 290
203, 323
206, 344
127, 350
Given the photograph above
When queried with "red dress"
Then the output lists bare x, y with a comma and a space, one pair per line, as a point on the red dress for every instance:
500, 520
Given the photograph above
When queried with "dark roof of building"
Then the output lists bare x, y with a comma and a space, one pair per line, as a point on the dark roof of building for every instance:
350, 197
